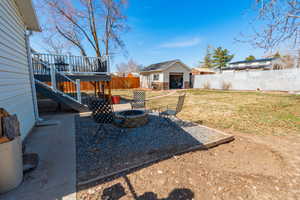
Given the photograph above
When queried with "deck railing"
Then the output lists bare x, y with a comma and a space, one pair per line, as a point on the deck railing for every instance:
54, 71
74, 64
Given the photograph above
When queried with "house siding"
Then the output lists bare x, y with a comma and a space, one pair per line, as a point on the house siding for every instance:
146, 80
177, 68
15, 86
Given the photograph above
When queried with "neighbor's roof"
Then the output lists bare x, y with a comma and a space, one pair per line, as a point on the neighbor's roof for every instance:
27, 11
248, 67
203, 69
252, 61
162, 66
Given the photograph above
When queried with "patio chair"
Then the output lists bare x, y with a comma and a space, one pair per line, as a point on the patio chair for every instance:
102, 109
172, 112
139, 100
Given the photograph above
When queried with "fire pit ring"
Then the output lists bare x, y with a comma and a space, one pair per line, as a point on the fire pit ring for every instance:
131, 118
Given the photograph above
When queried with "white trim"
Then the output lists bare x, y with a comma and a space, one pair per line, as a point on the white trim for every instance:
178, 61
28, 13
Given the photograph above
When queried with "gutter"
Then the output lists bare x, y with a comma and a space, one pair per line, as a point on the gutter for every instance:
31, 76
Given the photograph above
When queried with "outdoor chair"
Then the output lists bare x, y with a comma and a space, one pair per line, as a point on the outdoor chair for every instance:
102, 109
139, 100
172, 112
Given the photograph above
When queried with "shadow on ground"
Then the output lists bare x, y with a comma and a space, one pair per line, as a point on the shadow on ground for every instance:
117, 191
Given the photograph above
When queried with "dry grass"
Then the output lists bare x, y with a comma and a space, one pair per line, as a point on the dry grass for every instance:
246, 112
127, 93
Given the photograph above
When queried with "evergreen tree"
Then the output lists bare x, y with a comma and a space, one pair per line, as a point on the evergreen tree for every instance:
250, 58
221, 57
277, 55
208, 62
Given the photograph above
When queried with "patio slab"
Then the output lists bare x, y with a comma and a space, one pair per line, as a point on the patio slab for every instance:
54, 178
104, 150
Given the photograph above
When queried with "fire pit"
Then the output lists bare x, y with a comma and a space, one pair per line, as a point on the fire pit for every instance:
131, 118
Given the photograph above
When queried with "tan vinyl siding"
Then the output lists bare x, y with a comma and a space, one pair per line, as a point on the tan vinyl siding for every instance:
15, 86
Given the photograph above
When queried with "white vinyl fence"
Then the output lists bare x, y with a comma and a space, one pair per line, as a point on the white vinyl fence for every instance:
278, 80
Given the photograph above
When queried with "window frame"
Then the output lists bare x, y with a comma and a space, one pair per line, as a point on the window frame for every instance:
156, 77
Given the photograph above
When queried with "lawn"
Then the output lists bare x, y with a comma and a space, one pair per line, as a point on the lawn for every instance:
247, 112
261, 163
128, 93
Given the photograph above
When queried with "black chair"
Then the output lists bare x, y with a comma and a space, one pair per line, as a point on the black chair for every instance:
102, 109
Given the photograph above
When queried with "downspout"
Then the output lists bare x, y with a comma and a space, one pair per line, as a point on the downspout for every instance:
31, 77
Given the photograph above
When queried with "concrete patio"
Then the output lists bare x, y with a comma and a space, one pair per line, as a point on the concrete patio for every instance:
55, 176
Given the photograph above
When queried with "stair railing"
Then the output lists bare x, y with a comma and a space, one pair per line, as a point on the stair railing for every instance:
47, 73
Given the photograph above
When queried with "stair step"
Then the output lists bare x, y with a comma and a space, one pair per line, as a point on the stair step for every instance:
60, 98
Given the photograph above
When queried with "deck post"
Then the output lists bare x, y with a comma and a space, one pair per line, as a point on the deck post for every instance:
78, 90
53, 77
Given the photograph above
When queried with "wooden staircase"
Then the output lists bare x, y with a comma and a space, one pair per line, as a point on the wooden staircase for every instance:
53, 77
60, 97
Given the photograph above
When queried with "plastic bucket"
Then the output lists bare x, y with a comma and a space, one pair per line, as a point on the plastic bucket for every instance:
11, 165
115, 99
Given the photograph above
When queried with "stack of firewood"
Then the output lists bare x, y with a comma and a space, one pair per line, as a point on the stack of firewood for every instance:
9, 126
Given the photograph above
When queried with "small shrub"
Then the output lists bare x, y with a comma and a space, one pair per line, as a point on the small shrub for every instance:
226, 85
206, 86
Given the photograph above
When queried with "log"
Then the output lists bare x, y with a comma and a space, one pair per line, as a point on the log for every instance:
1, 128
4, 140
3, 113
11, 127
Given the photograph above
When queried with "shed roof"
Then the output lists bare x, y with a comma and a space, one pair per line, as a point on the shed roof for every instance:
162, 66
27, 11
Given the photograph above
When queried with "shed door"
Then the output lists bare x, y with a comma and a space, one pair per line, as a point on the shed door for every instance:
176, 81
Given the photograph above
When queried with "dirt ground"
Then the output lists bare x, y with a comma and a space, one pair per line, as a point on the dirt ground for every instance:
251, 167
262, 163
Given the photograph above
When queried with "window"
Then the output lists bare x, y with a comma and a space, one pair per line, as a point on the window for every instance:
156, 77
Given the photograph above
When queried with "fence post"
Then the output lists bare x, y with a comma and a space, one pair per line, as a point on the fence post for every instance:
78, 90
53, 77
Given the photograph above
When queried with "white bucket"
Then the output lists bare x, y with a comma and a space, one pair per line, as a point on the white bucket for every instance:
11, 165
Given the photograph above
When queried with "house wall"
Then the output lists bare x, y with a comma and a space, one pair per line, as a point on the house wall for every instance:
277, 80
178, 68
146, 80
15, 86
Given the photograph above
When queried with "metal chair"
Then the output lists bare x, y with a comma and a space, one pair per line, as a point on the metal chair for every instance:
139, 100
169, 112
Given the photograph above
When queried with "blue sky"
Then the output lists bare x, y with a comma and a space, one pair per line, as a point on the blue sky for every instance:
162, 30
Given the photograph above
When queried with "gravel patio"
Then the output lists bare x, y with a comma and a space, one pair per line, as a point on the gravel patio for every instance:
104, 150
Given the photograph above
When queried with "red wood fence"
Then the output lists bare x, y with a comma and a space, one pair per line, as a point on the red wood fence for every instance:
116, 83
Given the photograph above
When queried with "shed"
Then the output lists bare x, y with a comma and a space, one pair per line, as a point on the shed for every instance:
172, 74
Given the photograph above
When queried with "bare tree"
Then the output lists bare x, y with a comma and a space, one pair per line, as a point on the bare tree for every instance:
54, 46
115, 24
85, 24
130, 66
281, 19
